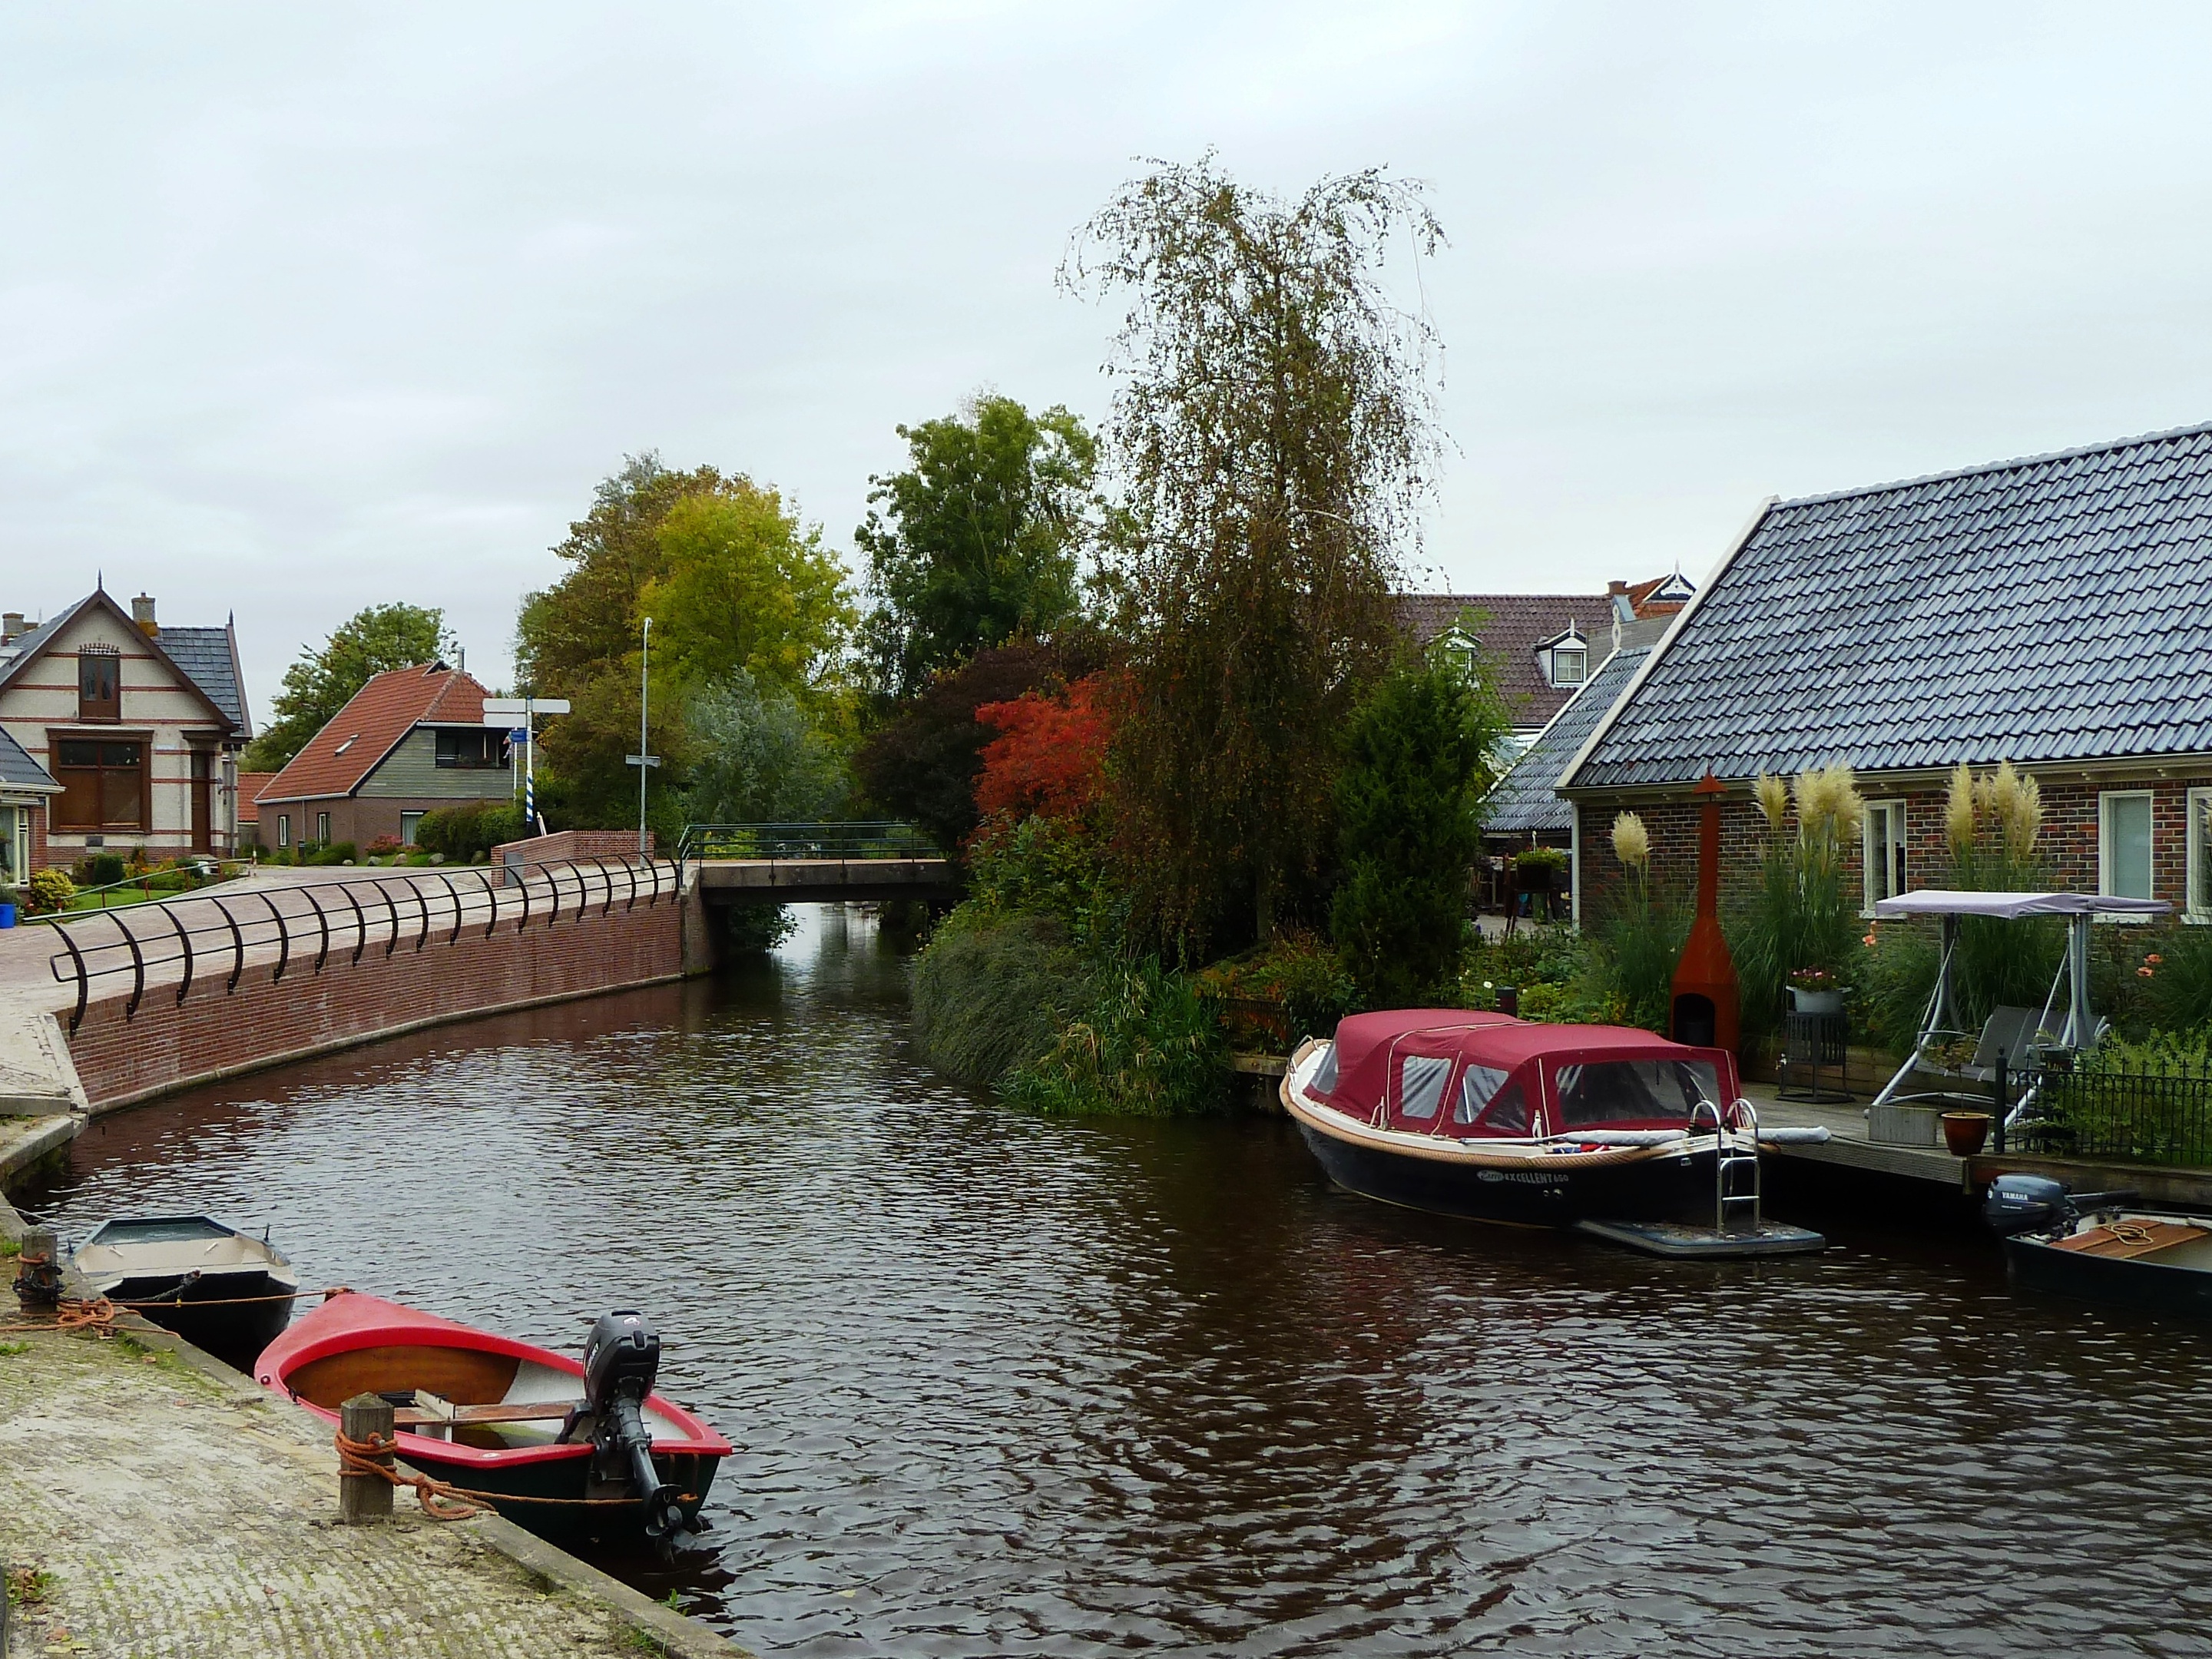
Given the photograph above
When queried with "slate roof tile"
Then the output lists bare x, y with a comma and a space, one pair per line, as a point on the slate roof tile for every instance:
2050, 609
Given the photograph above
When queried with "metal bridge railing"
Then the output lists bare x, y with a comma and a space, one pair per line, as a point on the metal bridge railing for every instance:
212, 932
805, 840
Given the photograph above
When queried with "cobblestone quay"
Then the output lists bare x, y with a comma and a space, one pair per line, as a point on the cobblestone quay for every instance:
153, 1507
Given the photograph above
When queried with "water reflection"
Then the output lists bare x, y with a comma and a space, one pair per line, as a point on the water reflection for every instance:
1004, 1386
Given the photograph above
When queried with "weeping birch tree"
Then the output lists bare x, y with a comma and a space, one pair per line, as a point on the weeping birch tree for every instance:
1272, 434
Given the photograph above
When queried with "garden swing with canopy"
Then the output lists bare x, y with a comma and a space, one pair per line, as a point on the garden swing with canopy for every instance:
2009, 1033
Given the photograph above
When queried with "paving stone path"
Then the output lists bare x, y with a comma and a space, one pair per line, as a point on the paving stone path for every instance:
178, 1517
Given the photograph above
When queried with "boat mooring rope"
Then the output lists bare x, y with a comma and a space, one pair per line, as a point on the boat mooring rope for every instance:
441, 1500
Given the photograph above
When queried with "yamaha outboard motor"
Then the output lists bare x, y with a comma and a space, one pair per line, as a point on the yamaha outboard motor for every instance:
2026, 1204
621, 1359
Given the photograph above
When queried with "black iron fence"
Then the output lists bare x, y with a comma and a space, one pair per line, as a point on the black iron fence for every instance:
2086, 1111
871, 840
311, 925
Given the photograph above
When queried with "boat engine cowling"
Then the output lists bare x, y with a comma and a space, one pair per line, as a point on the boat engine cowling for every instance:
622, 1358
2026, 1204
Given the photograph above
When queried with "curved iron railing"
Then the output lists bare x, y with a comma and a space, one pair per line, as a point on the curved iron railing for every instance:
143, 940
868, 840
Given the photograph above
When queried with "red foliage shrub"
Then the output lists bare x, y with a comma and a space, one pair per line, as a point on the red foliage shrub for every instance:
1049, 757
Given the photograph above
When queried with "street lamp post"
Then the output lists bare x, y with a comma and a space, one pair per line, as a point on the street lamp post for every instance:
644, 760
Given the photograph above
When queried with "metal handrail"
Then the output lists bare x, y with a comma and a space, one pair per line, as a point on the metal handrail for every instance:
168, 937
860, 839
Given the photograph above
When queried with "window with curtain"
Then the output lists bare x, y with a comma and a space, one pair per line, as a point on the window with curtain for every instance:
98, 683
1885, 850
2124, 843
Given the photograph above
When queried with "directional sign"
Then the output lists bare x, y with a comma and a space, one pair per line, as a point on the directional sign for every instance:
506, 711
641, 760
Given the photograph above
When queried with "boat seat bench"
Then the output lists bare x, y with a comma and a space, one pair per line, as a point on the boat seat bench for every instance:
526, 1411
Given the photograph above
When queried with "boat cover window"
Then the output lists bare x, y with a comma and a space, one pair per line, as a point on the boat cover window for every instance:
1634, 1091
1478, 1084
1509, 1112
1324, 1077
1421, 1086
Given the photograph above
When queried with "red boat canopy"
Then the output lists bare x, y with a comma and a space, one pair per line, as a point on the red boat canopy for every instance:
1463, 1074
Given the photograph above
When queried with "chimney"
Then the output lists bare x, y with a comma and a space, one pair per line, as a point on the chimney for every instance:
11, 627
141, 612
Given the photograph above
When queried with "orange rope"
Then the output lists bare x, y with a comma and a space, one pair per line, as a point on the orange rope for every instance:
441, 1500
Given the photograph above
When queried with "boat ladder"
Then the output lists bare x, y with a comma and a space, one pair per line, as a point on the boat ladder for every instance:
1736, 1174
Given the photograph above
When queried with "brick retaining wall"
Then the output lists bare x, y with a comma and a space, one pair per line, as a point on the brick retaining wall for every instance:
265, 1022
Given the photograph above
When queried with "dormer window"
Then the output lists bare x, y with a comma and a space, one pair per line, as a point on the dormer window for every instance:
1564, 659
98, 683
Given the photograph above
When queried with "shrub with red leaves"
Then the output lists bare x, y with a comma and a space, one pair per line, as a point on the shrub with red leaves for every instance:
1049, 757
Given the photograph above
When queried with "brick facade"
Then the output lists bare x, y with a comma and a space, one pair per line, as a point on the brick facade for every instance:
613, 844
214, 1035
2069, 842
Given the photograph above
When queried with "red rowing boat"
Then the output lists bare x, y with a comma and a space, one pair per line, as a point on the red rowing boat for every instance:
566, 1448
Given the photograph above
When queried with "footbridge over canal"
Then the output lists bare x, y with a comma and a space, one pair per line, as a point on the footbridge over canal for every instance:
733, 864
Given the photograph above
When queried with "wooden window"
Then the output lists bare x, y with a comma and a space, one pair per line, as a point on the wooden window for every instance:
103, 784
473, 750
1885, 850
2124, 843
98, 683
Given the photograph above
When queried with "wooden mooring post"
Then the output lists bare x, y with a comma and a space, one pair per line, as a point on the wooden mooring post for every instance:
363, 1498
38, 1273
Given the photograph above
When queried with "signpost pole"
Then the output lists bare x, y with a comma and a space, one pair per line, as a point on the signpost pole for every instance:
644, 695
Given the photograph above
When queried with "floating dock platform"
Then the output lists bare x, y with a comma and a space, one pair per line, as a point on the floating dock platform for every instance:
1680, 1242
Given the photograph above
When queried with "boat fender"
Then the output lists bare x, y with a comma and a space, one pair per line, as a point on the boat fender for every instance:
1780, 1135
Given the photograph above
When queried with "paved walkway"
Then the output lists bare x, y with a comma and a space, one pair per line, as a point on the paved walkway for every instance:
172, 1514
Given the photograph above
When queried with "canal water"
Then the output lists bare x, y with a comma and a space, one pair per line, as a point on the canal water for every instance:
1005, 1386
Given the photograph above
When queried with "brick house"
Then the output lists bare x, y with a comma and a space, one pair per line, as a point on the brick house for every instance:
123, 735
1542, 647
410, 741
2054, 611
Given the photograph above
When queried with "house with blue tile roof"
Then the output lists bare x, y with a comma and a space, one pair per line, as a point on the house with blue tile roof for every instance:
122, 733
2054, 611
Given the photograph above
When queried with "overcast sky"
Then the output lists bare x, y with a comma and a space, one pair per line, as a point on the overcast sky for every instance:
306, 307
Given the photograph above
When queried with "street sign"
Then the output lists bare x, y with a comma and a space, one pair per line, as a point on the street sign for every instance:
641, 760
506, 711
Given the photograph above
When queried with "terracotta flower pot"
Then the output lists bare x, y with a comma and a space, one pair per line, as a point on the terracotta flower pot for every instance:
1965, 1132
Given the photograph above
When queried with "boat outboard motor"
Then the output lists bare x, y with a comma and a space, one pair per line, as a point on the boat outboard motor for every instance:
2026, 1204
622, 1356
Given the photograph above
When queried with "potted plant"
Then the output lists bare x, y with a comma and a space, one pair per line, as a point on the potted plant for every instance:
1814, 991
1538, 869
8, 902
1965, 1132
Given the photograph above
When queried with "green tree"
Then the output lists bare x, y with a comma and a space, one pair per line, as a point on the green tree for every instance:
977, 541
1418, 762
1273, 433
757, 758
743, 586
321, 682
735, 584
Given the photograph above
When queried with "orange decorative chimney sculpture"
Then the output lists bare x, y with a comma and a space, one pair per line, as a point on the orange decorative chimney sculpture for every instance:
1705, 1005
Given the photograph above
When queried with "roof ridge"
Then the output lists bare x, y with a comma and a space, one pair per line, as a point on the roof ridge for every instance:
2168, 435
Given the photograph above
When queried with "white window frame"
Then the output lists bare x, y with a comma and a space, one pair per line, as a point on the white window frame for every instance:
1559, 679
2197, 891
409, 822
283, 829
1893, 811
2105, 800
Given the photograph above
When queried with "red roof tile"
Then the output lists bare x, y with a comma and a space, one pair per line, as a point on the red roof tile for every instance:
340, 756
249, 786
